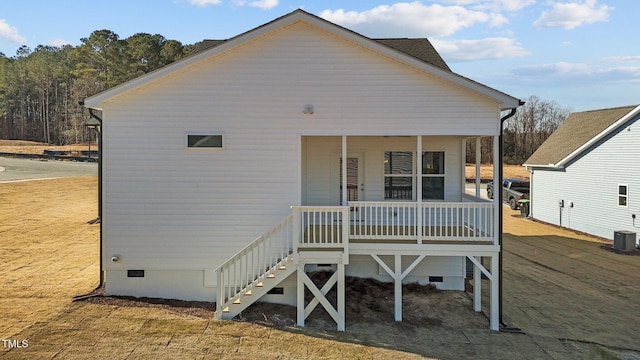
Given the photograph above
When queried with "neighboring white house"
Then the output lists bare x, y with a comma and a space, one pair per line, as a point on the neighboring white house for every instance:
586, 175
222, 173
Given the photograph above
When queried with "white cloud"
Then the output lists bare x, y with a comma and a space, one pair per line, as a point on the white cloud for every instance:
264, 4
495, 5
579, 73
411, 19
59, 42
10, 33
204, 2
573, 14
622, 59
483, 49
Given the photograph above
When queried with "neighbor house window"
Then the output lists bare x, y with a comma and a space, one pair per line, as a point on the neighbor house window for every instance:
398, 175
623, 195
432, 175
205, 141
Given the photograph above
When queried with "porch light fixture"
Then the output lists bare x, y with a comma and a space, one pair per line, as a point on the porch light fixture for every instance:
308, 109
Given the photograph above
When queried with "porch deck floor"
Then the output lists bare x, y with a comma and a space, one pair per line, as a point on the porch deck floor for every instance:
323, 234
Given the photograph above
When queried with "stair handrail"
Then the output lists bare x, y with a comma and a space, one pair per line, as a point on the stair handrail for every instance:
258, 268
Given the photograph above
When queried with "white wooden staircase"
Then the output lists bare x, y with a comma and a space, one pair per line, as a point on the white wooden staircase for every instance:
255, 270
308, 235
258, 288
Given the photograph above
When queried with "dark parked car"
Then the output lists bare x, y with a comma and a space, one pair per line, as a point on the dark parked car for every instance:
513, 190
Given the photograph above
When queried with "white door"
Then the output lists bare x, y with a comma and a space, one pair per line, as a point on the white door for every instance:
355, 177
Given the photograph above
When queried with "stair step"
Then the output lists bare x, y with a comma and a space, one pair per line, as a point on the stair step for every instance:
237, 301
225, 310
248, 293
260, 284
282, 267
271, 276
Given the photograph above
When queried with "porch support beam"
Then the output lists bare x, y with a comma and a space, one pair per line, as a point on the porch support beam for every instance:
338, 315
494, 322
478, 163
397, 289
477, 286
345, 201
419, 187
398, 275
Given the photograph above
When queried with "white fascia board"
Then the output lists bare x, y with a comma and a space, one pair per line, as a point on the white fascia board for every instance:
598, 137
550, 166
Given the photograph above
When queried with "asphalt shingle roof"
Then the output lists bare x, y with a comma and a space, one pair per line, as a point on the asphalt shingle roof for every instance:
420, 49
575, 131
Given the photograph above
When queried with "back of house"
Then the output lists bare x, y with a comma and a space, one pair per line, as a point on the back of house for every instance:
205, 157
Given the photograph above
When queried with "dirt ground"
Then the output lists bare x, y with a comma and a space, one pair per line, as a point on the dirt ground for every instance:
571, 298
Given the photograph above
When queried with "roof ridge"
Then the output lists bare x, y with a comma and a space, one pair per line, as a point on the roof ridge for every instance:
611, 108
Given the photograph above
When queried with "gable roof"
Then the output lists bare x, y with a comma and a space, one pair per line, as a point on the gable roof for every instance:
406, 51
577, 133
420, 48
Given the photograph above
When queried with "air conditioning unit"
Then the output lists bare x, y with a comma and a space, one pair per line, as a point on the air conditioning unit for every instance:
624, 240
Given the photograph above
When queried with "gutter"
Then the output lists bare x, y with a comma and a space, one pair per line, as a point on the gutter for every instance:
503, 327
93, 115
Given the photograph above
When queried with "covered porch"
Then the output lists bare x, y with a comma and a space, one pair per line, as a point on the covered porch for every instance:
394, 208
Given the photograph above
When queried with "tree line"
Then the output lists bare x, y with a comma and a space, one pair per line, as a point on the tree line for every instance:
523, 133
40, 89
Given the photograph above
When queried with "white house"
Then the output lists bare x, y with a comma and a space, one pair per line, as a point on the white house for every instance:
585, 176
222, 173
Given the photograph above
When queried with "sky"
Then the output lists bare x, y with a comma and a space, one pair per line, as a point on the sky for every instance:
582, 54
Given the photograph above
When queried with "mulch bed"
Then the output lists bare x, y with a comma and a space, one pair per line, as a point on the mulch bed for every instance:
368, 300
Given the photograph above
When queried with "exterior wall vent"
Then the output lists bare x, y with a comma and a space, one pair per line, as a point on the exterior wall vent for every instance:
135, 273
276, 291
624, 240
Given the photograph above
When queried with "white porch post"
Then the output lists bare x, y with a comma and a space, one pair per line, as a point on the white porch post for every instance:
345, 201
497, 186
478, 161
419, 188
463, 165
494, 322
477, 286
398, 287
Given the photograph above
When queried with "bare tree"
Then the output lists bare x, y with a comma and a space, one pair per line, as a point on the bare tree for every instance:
523, 133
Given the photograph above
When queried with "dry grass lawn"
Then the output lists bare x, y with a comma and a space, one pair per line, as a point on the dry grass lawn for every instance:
50, 254
486, 172
32, 147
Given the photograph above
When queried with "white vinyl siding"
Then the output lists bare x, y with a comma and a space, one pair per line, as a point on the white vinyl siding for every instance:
165, 207
589, 187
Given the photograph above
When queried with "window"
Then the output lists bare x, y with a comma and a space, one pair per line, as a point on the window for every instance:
623, 196
432, 175
205, 141
398, 175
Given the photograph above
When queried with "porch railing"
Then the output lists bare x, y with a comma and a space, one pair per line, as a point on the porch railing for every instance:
443, 221
320, 227
254, 262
